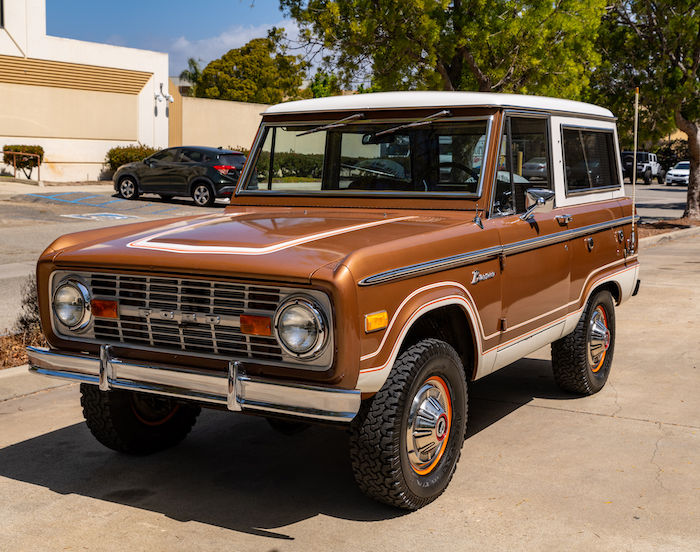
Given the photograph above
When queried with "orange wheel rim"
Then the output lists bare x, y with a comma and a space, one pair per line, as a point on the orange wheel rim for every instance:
429, 425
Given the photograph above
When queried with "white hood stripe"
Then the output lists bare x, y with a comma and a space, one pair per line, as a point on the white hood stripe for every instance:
152, 242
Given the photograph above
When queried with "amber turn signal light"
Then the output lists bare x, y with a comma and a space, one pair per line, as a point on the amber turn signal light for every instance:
376, 321
256, 325
104, 309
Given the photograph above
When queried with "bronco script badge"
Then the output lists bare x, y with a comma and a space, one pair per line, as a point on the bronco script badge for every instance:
478, 277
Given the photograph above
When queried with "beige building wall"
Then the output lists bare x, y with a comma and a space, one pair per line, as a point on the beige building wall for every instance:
219, 123
76, 99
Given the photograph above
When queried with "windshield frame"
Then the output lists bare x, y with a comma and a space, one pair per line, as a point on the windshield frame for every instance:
290, 124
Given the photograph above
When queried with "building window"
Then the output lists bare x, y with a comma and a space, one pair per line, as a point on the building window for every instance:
2, 15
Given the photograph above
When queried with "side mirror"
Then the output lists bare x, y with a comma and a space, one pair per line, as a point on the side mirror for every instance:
537, 200
147, 161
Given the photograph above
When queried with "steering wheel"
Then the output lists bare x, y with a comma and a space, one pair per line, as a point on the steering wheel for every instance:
451, 165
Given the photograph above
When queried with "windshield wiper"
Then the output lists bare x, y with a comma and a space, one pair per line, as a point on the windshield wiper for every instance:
429, 119
337, 124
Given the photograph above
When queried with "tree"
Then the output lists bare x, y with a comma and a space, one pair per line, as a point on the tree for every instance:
193, 74
324, 85
259, 72
655, 46
502, 45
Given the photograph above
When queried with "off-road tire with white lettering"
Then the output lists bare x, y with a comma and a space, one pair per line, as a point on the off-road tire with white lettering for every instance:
383, 437
575, 370
135, 423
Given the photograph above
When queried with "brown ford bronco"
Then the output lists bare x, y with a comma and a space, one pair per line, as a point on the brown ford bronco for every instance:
380, 252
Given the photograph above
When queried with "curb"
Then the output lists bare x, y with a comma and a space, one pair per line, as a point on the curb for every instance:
651, 241
18, 382
22, 181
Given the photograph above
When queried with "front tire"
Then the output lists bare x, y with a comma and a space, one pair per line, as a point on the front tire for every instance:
406, 441
647, 177
581, 361
128, 188
203, 195
135, 423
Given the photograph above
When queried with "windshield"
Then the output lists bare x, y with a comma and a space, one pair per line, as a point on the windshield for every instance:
683, 165
444, 157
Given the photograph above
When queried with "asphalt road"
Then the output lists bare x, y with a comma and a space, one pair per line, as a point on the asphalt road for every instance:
541, 470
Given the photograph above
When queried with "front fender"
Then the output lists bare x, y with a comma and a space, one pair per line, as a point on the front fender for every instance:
375, 365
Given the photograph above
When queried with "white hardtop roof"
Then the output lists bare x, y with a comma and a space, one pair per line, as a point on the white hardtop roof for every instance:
417, 100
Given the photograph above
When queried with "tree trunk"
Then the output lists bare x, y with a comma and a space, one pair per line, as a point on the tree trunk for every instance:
692, 129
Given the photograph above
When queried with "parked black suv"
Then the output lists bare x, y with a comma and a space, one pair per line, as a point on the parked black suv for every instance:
199, 172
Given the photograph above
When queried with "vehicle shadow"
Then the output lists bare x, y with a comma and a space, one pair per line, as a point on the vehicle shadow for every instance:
179, 201
235, 472
497, 395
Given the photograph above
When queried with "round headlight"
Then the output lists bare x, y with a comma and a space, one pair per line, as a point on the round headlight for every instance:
301, 328
71, 304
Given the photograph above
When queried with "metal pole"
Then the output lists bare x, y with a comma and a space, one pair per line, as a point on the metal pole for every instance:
634, 168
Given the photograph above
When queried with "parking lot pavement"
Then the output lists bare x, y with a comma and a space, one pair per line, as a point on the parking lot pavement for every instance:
540, 470
659, 202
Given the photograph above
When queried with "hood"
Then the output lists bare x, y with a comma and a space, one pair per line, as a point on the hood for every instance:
287, 244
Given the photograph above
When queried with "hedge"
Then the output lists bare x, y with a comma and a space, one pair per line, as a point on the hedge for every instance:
121, 155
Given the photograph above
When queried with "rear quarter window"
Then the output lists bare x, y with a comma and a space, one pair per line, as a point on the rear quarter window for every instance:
237, 160
589, 160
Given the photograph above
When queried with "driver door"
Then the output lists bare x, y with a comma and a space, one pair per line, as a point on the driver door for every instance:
536, 261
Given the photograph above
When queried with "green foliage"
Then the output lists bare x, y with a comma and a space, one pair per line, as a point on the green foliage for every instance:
25, 163
325, 85
192, 74
259, 72
121, 155
531, 46
371, 88
654, 46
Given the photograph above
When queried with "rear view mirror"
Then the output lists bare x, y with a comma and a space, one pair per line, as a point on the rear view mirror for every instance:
374, 139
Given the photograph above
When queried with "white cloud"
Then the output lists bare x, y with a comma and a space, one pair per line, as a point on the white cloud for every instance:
209, 49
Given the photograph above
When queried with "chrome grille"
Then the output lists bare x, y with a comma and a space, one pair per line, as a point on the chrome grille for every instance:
198, 316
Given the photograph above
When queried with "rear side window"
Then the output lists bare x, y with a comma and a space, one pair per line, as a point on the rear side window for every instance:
237, 160
589, 158
191, 156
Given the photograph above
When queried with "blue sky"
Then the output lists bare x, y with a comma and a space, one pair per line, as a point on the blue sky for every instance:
204, 29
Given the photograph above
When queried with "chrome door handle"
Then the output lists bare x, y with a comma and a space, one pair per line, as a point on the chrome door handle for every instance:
564, 219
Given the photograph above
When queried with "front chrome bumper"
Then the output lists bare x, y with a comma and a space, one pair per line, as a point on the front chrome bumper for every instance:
235, 390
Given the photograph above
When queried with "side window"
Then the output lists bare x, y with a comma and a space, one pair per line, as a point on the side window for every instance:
165, 156
589, 160
190, 156
523, 163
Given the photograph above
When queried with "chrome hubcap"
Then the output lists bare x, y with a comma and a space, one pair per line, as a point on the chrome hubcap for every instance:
599, 338
429, 423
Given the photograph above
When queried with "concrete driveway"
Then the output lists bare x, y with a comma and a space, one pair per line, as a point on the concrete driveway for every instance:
540, 470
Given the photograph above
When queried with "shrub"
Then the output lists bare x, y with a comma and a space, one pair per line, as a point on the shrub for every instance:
28, 319
121, 155
27, 163
28, 327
